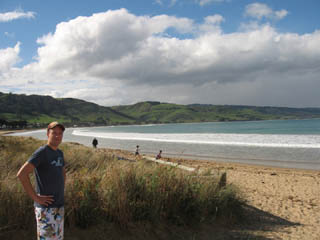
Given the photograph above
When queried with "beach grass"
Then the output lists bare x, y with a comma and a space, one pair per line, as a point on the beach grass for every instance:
102, 190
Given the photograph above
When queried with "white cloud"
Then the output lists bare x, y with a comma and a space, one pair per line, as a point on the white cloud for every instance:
116, 58
8, 58
99, 42
281, 14
250, 26
215, 19
260, 10
171, 3
207, 2
199, 2
10, 16
212, 24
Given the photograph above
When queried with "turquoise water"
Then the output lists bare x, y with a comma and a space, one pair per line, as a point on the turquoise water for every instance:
281, 143
301, 127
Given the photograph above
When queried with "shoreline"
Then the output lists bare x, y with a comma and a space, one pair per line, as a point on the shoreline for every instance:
258, 162
4, 132
193, 159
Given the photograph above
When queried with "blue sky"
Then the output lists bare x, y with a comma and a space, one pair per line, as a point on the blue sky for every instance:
183, 51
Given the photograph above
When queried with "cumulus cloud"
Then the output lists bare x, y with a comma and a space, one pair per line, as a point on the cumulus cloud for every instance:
116, 57
10, 16
104, 42
138, 54
260, 10
8, 58
212, 24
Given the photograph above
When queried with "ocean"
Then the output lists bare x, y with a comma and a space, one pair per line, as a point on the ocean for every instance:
279, 143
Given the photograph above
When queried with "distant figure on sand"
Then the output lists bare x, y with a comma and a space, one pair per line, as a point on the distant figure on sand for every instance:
159, 155
95, 142
137, 151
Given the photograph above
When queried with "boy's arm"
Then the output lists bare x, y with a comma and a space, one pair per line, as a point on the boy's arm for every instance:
23, 175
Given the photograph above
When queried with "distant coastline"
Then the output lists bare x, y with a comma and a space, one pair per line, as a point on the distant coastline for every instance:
36, 111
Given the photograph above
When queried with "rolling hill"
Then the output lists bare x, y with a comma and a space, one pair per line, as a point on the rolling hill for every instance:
38, 111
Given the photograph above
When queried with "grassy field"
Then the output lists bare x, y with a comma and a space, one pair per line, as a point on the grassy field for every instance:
125, 199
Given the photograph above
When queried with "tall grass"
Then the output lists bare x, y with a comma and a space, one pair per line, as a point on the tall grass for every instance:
102, 189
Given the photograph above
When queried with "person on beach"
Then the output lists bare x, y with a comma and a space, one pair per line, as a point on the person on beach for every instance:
95, 143
159, 155
137, 151
48, 165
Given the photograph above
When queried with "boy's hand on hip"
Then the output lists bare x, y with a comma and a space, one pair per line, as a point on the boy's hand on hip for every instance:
44, 200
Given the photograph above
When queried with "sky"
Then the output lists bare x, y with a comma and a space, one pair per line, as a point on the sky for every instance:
118, 52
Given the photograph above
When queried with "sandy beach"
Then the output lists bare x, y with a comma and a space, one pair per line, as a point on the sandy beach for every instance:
284, 203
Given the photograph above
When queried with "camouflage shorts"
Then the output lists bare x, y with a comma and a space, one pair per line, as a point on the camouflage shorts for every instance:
50, 223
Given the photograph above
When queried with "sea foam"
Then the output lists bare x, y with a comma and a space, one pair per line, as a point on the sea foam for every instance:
255, 140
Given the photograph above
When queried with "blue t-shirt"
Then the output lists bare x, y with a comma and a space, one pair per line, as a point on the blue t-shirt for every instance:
49, 165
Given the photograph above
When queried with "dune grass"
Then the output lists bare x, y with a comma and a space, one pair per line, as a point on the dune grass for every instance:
100, 189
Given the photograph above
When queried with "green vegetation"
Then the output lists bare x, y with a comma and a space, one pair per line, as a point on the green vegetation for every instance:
156, 112
38, 111
102, 191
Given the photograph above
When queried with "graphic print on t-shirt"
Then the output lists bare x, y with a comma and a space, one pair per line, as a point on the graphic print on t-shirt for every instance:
57, 163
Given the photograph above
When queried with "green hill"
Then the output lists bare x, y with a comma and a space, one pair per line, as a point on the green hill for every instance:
38, 111
41, 110
156, 112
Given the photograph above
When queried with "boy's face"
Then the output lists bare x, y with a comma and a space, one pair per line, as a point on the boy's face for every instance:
55, 136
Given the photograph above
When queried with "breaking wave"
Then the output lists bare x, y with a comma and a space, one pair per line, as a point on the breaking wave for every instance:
255, 140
